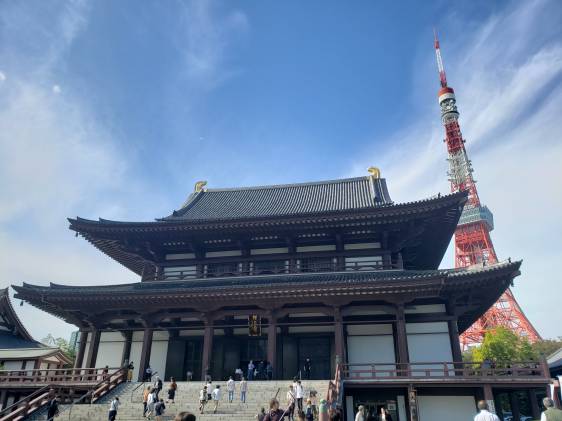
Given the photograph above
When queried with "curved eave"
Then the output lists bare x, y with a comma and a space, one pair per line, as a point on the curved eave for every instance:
8, 312
103, 234
493, 280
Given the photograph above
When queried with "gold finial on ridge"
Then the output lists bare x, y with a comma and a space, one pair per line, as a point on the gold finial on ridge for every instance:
200, 186
375, 172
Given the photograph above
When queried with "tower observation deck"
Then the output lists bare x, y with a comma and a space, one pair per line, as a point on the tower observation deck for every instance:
473, 244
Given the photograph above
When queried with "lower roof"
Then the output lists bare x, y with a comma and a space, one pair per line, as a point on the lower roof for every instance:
32, 353
480, 286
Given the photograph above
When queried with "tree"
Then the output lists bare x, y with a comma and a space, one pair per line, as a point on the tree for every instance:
545, 347
503, 346
61, 343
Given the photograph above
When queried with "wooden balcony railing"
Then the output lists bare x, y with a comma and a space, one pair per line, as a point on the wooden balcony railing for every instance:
444, 370
275, 268
66, 391
54, 375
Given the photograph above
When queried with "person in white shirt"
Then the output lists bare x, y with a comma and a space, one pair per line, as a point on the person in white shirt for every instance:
209, 390
251, 368
113, 409
230, 387
291, 403
216, 398
243, 390
299, 394
202, 399
152, 399
360, 416
484, 414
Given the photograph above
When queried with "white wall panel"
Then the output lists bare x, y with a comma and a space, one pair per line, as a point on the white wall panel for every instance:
371, 349
136, 348
446, 408
158, 354
110, 353
378, 329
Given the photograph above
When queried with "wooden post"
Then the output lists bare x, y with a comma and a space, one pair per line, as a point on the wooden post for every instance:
93, 349
514, 402
454, 339
207, 348
489, 397
81, 349
126, 355
401, 339
145, 352
339, 336
272, 342
535, 410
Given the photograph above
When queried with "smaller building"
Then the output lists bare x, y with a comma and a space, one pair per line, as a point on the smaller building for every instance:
20, 354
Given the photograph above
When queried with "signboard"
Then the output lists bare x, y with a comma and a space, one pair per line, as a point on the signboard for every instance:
254, 325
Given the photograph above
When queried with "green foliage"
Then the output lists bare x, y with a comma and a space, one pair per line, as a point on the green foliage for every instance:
546, 347
61, 343
503, 346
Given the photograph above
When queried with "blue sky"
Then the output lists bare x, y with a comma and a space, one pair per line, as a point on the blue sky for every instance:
115, 109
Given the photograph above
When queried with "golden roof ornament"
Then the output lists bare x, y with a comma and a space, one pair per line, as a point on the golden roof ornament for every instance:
200, 186
375, 172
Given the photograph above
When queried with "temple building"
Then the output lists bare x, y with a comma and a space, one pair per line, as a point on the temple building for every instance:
334, 271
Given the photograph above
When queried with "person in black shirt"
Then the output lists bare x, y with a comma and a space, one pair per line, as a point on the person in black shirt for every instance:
53, 408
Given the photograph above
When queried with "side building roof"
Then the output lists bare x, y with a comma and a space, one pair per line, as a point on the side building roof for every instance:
13, 334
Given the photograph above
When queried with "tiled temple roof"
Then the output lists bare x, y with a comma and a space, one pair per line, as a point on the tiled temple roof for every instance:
284, 200
14, 335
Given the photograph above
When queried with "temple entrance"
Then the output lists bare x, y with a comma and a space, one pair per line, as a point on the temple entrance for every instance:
184, 354
374, 400
296, 349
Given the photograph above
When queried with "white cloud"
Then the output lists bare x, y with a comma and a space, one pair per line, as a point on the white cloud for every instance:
56, 89
508, 84
2, 76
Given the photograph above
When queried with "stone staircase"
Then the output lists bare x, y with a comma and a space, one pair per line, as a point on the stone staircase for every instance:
187, 398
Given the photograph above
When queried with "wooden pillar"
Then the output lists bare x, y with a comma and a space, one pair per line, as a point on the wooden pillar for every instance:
81, 349
207, 348
401, 338
454, 334
3, 398
272, 342
514, 402
145, 352
535, 410
126, 355
93, 349
339, 336
489, 397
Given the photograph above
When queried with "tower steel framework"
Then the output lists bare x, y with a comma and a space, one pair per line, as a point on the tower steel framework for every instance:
473, 244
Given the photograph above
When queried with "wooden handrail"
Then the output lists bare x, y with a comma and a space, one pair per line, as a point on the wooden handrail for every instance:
53, 375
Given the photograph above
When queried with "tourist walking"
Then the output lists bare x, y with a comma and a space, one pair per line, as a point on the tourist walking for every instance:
484, 414
145, 394
209, 390
189, 375
291, 403
275, 413
113, 407
551, 413
172, 390
53, 408
150, 403
309, 411
307, 368
243, 390
360, 416
202, 399
148, 374
251, 368
230, 387
159, 409
216, 395
158, 386
299, 394
384, 415
105, 373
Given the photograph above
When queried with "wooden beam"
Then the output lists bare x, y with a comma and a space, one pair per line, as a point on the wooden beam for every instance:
145, 353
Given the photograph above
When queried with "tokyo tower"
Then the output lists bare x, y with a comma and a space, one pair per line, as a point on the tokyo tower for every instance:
473, 244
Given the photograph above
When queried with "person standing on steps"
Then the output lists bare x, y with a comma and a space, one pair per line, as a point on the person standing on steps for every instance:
150, 403
148, 374
299, 394
291, 403
202, 399
113, 407
53, 408
172, 390
158, 386
307, 368
275, 413
209, 390
251, 368
216, 398
230, 387
130, 369
145, 400
360, 416
159, 409
243, 390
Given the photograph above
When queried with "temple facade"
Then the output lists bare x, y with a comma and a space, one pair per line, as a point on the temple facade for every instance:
332, 271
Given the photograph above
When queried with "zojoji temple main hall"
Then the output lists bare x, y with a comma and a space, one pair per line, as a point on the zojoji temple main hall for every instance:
334, 271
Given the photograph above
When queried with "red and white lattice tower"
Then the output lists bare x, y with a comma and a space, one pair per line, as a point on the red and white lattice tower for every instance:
473, 245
